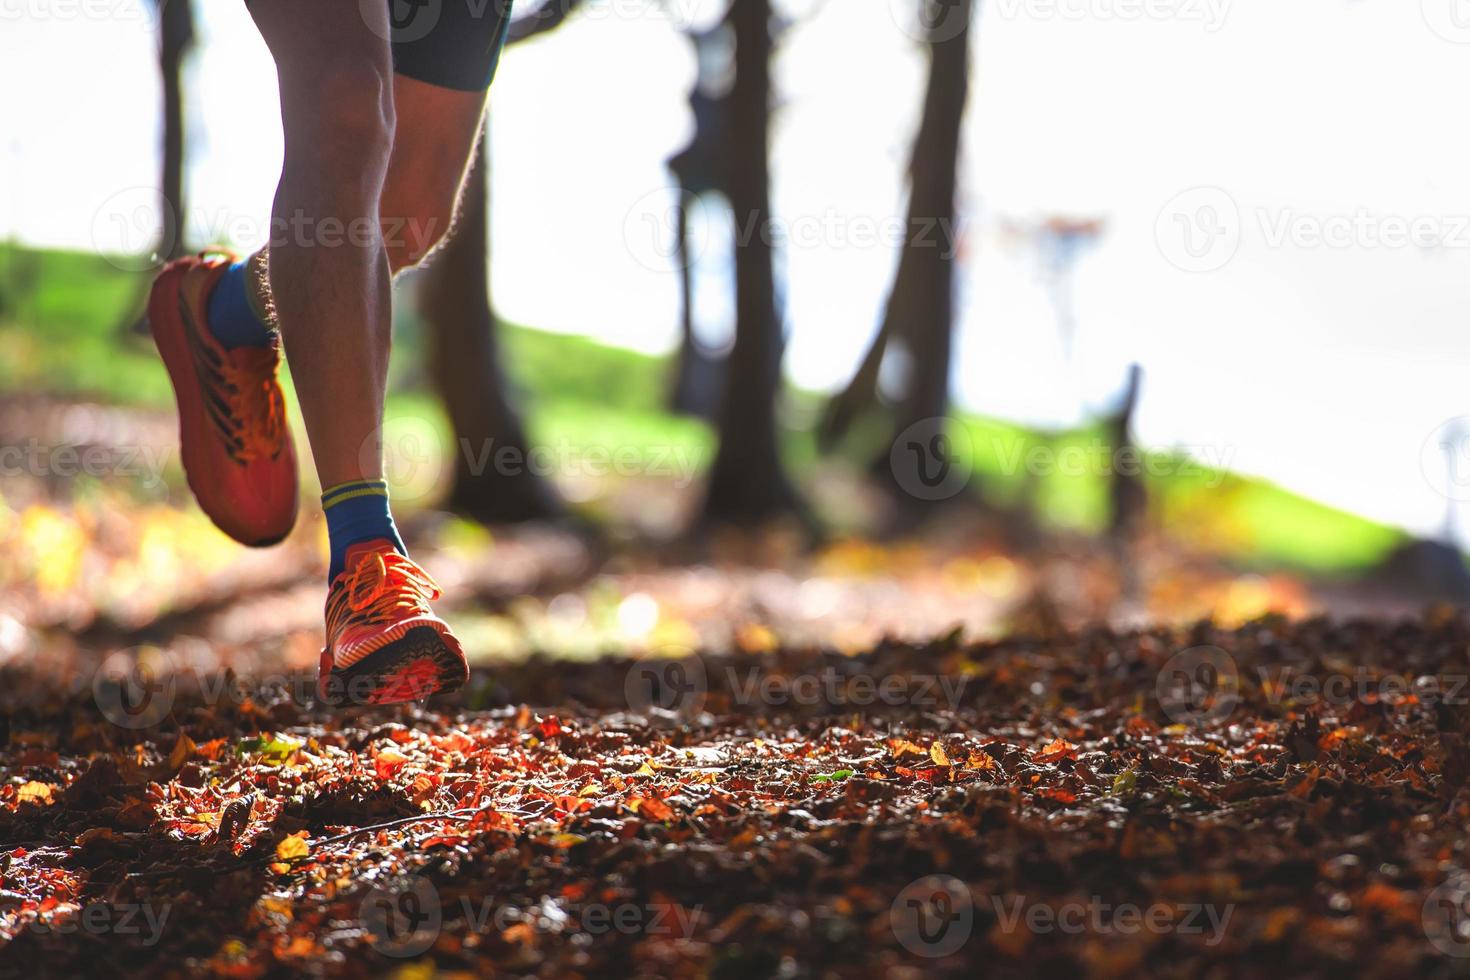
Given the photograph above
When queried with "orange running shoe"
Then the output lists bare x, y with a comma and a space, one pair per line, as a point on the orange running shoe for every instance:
384, 643
236, 446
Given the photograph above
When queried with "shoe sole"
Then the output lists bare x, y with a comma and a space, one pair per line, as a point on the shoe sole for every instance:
173, 348
417, 665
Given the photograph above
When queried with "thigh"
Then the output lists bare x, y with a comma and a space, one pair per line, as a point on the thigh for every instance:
301, 35
452, 44
435, 121
435, 139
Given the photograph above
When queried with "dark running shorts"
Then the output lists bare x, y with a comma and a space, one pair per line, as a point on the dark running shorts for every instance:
450, 43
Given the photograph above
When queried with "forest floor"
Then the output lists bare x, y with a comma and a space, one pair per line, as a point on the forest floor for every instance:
901, 758
887, 759
946, 754
1284, 799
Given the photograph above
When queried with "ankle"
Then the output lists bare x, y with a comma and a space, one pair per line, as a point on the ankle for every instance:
233, 308
356, 512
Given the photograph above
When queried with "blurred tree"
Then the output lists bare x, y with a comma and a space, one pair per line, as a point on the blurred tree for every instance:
464, 347
1127, 492
1127, 495
700, 168
175, 41
1062, 242
1436, 566
918, 322
465, 362
748, 483
176, 38
548, 16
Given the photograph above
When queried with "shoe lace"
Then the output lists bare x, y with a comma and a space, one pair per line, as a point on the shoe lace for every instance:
257, 410
383, 584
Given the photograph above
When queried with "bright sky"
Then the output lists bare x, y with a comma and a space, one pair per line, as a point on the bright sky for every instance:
1259, 166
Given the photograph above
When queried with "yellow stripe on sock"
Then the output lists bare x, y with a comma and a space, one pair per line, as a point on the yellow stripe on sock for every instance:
348, 491
364, 492
353, 485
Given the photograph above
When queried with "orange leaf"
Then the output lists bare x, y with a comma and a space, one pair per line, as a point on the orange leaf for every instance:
183, 749
34, 792
387, 762
899, 747
421, 788
521, 934
650, 807
1055, 751
211, 750
294, 847
981, 761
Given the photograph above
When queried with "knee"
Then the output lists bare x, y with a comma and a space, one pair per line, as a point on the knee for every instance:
355, 110
344, 113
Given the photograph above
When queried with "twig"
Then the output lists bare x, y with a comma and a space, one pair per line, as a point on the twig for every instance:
465, 814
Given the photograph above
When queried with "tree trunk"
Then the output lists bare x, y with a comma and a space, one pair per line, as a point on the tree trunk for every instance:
860, 395
748, 483
176, 38
1127, 495
492, 482
922, 302
698, 373
702, 167
921, 308
919, 316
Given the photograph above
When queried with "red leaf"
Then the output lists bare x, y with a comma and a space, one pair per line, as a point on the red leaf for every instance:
388, 762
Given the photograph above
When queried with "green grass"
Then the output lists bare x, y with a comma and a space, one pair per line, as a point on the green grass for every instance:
579, 392
64, 331
63, 323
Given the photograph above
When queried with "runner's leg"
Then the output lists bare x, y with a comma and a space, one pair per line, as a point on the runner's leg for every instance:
444, 56
437, 131
327, 264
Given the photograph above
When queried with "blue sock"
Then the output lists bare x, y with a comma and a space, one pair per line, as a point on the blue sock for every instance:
357, 512
233, 318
